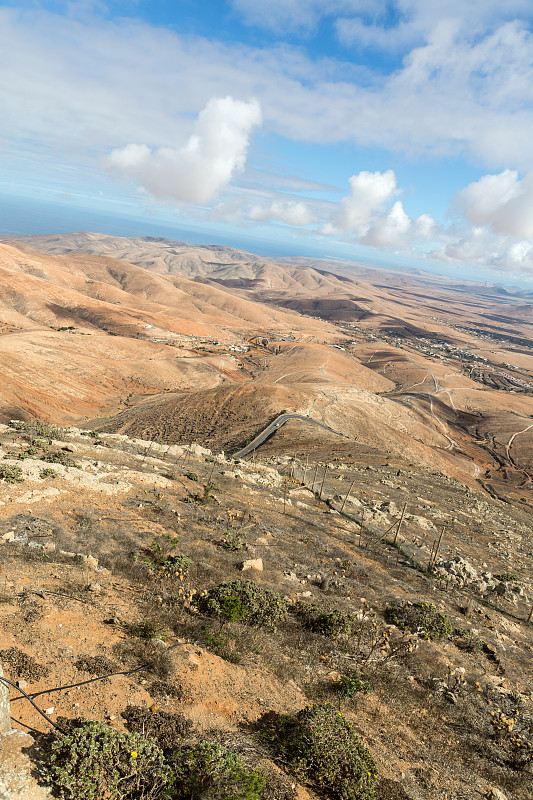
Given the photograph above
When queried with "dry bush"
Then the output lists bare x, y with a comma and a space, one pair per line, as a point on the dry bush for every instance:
22, 665
169, 730
95, 665
135, 652
419, 617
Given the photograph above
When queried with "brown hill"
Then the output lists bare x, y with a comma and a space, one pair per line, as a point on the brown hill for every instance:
404, 362
75, 373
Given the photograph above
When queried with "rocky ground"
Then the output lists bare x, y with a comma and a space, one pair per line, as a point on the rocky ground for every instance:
89, 524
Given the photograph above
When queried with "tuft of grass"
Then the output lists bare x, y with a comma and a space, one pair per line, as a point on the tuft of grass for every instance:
352, 684
163, 559
232, 540
507, 577
148, 628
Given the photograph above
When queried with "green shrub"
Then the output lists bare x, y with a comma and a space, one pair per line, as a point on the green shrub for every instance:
232, 609
220, 643
11, 474
420, 617
231, 540
60, 457
210, 772
95, 762
332, 623
351, 684
319, 745
263, 607
47, 472
148, 628
36, 428
42, 444
507, 577
192, 476
30, 452
466, 640
162, 558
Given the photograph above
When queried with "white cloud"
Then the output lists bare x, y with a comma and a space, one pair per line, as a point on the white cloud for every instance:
487, 250
101, 83
464, 87
425, 228
201, 168
502, 202
353, 30
296, 15
290, 212
365, 214
497, 224
369, 191
388, 230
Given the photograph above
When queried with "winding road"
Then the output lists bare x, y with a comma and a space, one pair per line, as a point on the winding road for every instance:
273, 427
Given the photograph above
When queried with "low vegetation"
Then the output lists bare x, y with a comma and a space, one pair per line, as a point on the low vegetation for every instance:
419, 617
320, 746
162, 557
94, 761
333, 623
352, 684
209, 771
330, 635
11, 473
244, 600
38, 429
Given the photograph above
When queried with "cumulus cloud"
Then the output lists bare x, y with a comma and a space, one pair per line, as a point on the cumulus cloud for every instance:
496, 218
369, 191
366, 214
502, 202
481, 247
290, 212
197, 171
464, 87
388, 230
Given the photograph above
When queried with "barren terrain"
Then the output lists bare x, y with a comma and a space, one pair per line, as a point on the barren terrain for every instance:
66, 619
166, 355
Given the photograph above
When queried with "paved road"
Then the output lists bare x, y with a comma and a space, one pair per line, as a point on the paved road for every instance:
272, 428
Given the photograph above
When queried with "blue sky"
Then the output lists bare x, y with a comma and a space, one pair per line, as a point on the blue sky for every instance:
389, 132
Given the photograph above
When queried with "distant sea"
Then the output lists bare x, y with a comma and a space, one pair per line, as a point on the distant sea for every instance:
21, 215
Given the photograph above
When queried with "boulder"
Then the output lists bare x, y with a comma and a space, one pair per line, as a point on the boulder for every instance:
20, 761
5, 711
495, 794
252, 563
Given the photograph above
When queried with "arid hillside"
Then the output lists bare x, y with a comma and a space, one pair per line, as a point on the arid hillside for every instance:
211, 343
371, 579
164, 596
